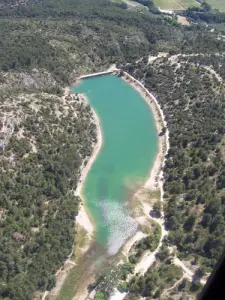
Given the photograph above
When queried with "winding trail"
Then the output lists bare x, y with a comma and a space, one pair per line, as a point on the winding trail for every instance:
149, 257
154, 183
174, 58
155, 180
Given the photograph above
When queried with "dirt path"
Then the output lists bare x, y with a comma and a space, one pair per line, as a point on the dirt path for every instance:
174, 58
155, 181
149, 257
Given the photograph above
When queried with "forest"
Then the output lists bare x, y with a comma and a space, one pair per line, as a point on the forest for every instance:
39, 171
205, 13
44, 46
194, 171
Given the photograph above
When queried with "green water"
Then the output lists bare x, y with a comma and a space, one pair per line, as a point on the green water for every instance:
128, 152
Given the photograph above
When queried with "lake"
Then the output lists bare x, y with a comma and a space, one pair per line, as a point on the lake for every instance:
124, 161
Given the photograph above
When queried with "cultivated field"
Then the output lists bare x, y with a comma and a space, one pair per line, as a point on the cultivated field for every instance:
219, 4
177, 4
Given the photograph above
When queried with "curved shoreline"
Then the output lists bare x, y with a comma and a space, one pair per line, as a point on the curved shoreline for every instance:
156, 174
155, 179
83, 218
85, 169
152, 182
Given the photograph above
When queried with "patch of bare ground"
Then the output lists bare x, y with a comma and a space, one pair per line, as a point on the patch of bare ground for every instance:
183, 20
35, 79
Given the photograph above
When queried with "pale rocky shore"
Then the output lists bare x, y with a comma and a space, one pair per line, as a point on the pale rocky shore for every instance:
82, 218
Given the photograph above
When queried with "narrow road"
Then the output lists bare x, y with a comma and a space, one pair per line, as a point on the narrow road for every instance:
149, 257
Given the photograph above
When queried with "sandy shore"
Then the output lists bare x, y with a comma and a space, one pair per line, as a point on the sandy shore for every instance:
82, 217
97, 147
84, 221
128, 245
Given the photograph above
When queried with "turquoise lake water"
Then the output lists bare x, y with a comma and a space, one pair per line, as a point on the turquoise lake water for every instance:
125, 159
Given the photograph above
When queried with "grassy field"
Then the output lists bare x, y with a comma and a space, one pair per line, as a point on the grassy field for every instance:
219, 4
132, 4
177, 4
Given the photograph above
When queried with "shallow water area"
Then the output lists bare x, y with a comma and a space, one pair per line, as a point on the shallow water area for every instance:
125, 159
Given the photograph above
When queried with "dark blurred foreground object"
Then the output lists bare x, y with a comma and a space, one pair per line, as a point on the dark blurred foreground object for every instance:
215, 286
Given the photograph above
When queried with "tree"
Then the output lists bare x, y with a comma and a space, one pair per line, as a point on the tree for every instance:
172, 223
163, 253
195, 286
157, 294
100, 296
123, 287
205, 6
156, 210
206, 220
190, 222
200, 272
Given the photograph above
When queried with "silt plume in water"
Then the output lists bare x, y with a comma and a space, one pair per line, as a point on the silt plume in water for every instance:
120, 224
